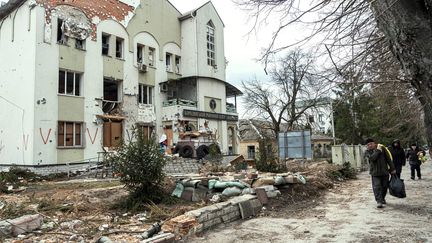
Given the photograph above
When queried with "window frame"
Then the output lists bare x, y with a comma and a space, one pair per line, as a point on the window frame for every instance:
249, 151
168, 61
62, 39
64, 134
211, 44
119, 48
151, 56
140, 53
74, 84
81, 46
177, 63
149, 90
106, 45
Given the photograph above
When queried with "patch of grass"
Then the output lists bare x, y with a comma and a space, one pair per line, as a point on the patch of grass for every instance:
11, 211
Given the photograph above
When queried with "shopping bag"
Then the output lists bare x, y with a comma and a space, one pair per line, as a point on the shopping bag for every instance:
397, 187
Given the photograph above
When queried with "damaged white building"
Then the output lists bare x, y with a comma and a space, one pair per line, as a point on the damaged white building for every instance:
76, 76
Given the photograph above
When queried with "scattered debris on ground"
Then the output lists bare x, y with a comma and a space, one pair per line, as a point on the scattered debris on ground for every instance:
86, 209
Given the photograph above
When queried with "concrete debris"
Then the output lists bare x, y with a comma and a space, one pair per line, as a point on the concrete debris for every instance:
154, 229
216, 198
48, 226
262, 195
71, 225
104, 239
164, 237
23, 224
103, 227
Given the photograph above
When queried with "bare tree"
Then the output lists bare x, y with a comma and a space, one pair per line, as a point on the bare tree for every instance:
401, 28
294, 88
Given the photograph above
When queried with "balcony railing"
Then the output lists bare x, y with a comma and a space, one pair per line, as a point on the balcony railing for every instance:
230, 108
181, 102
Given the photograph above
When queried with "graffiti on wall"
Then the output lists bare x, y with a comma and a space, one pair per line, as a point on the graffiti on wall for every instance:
92, 139
45, 139
2, 146
25, 141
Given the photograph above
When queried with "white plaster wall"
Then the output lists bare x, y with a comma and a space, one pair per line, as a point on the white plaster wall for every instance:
204, 15
194, 44
149, 113
189, 47
215, 89
47, 67
17, 81
174, 49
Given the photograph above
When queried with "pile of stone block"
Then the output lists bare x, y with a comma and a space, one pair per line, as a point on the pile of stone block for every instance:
208, 217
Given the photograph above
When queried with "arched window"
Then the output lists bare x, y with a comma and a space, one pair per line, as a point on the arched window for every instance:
211, 49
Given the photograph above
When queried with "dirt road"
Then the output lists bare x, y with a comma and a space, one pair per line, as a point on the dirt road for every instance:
346, 213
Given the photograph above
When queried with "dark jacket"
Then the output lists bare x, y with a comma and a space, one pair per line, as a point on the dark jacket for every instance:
380, 163
412, 156
398, 154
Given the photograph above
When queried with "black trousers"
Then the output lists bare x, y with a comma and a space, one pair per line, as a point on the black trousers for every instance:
398, 170
380, 186
415, 168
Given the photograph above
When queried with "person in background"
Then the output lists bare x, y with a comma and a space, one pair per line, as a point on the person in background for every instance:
413, 157
379, 164
398, 155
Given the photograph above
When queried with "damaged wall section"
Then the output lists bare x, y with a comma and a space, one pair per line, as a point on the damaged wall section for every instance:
95, 11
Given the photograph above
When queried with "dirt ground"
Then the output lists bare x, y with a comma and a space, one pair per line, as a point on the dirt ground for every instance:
83, 211
346, 213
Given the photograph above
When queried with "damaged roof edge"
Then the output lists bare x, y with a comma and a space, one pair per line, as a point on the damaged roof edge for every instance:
9, 7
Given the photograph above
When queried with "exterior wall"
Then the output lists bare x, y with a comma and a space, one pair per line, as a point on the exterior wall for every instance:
17, 85
155, 24
244, 146
160, 19
194, 44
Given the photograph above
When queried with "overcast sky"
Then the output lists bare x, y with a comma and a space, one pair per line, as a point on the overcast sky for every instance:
241, 48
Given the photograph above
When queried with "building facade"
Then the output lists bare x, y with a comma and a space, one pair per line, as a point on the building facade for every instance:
76, 77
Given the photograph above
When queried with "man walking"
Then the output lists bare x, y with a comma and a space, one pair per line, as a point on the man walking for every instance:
380, 164
398, 155
414, 161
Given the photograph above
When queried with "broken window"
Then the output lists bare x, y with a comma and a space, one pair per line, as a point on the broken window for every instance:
140, 49
69, 83
145, 94
111, 90
251, 152
105, 44
151, 56
177, 64
211, 60
69, 134
119, 47
168, 57
61, 37
80, 44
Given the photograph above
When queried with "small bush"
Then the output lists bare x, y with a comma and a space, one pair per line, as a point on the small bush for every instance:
140, 165
345, 172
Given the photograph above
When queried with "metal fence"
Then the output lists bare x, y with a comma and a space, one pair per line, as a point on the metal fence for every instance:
295, 145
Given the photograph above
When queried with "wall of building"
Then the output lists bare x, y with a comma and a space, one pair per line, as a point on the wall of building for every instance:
33, 139
17, 83
204, 15
243, 148
194, 44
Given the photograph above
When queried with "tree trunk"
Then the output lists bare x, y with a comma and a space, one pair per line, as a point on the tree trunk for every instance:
407, 26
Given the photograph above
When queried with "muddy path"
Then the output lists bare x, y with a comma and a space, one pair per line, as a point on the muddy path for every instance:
346, 213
